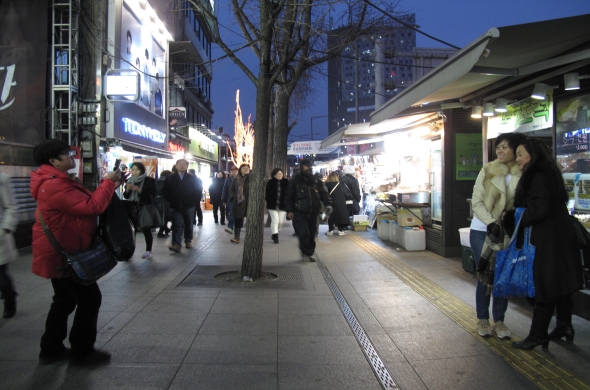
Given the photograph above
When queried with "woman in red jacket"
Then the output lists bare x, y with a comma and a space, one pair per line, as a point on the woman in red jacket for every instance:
70, 212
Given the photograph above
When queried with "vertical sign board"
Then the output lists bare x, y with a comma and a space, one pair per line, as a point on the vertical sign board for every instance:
468, 156
23, 61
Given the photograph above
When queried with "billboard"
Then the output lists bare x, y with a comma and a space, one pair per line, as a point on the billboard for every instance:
23, 60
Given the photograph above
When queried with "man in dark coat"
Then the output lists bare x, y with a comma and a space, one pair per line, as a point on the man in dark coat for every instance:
303, 204
215, 192
180, 189
352, 191
198, 212
227, 200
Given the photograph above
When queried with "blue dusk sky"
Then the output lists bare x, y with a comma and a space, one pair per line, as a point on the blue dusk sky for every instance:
457, 22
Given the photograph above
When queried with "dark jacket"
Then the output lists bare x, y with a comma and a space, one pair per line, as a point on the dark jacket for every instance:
340, 213
199, 184
216, 190
160, 197
272, 191
304, 194
148, 190
226, 195
240, 210
352, 190
557, 267
181, 194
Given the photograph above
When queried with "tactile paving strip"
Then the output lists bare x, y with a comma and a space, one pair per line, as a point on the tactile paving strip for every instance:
385, 379
536, 366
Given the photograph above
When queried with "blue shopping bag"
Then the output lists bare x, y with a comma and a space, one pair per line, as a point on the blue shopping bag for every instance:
514, 266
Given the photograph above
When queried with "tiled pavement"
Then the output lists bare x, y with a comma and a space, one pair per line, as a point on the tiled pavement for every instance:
165, 336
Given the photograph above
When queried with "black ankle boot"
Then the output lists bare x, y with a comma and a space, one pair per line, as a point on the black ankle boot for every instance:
563, 330
532, 340
9, 308
275, 238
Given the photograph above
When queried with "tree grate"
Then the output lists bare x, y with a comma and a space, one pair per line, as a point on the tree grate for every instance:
385, 379
203, 276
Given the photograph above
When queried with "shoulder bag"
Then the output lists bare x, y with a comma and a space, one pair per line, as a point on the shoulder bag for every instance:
514, 266
85, 267
151, 215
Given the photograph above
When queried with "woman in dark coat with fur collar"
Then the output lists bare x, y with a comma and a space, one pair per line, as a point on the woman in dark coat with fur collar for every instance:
557, 268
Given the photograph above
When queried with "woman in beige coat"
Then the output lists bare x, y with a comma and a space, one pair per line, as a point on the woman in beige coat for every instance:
493, 193
8, 221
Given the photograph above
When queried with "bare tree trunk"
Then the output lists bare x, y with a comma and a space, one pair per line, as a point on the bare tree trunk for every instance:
281, 131
252, 258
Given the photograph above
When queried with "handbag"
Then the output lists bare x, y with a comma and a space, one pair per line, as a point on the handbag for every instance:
514, 266
87, 266
150, 216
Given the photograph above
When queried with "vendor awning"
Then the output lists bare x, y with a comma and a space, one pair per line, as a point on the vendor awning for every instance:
365, 132
500, 53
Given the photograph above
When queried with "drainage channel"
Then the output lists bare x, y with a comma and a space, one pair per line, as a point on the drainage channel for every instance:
385, 379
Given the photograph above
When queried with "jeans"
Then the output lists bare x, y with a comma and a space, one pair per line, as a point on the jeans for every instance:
230, 216
69, 295
277, 218
482, 300
180, 218
221, 209
306, 228
6, 284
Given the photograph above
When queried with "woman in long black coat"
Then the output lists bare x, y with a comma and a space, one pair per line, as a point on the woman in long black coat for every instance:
215, 191
240, 193
339, 219
557, 267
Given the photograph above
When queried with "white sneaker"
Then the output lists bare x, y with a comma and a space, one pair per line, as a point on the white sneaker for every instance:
329, 233
341, 233
146, 255
501, 330
484, 328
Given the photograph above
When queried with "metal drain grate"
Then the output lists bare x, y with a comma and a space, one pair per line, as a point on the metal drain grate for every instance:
385, 379
289, 278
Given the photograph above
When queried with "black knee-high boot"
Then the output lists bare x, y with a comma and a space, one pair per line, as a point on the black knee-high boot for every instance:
563, 327
542, 314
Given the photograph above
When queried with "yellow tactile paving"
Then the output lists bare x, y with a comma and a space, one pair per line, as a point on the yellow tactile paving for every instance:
534, 365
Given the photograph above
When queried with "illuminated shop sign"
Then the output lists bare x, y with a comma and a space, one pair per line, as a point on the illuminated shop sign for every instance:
134, 128
8, 83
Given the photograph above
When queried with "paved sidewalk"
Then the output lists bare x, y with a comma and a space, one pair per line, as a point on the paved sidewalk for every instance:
164, 334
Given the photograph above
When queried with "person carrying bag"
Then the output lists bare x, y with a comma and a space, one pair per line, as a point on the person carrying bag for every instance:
140, 193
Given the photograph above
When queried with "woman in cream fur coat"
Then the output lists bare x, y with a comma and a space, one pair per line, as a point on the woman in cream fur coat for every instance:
493, 193
8, 221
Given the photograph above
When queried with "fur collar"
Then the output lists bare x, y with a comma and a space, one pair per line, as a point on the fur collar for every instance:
496, 168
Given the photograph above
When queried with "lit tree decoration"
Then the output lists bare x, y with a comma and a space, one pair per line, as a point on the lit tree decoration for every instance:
243, 137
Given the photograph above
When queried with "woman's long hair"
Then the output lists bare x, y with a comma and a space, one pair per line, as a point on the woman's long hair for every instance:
333, 177
240, 170
541, 161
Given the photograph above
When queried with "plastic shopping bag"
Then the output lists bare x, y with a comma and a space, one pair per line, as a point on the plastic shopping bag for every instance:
116, 230
514, 266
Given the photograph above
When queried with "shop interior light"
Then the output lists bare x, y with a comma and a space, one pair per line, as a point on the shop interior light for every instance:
572, 80
501, 105
476, 112
539, 91
488, 109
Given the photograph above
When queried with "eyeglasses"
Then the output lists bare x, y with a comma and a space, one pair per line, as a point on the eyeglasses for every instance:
68, 152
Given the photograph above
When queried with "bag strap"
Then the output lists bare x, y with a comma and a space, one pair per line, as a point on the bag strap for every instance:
334, 188
48, 233
527, 231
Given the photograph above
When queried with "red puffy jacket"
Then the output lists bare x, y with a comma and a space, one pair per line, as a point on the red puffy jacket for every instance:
70, 211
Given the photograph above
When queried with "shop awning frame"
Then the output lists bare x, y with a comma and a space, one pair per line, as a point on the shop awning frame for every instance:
365, 132
501, 53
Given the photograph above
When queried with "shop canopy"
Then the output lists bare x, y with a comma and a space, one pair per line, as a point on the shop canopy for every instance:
505, 52
365, 132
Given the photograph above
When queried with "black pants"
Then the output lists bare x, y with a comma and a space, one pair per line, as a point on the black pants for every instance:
198, 213
221, 208
67, 295
6, 284
306, 228
543, 312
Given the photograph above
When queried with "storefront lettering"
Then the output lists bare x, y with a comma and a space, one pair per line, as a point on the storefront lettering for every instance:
175, 148
134, 128
7, 84
208, 147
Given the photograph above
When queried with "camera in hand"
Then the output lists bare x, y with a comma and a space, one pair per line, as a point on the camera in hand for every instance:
117, 163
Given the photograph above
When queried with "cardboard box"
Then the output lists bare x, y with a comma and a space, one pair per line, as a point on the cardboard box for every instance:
409, 217
359, 228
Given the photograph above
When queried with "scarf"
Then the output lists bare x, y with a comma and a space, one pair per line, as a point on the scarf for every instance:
240, 196
495, 241
138, 181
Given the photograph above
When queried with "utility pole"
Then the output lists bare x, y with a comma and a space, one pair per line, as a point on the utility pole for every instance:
311, 124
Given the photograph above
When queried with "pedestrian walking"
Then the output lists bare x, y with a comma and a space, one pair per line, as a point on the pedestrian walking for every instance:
276, 190
227, 199
8, 253
215, 192
198, 215
352, 191
180, 190
303, 203
140, 190
240, 193
339, 219
164, 230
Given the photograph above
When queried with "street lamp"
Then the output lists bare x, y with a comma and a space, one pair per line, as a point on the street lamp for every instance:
311, 124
